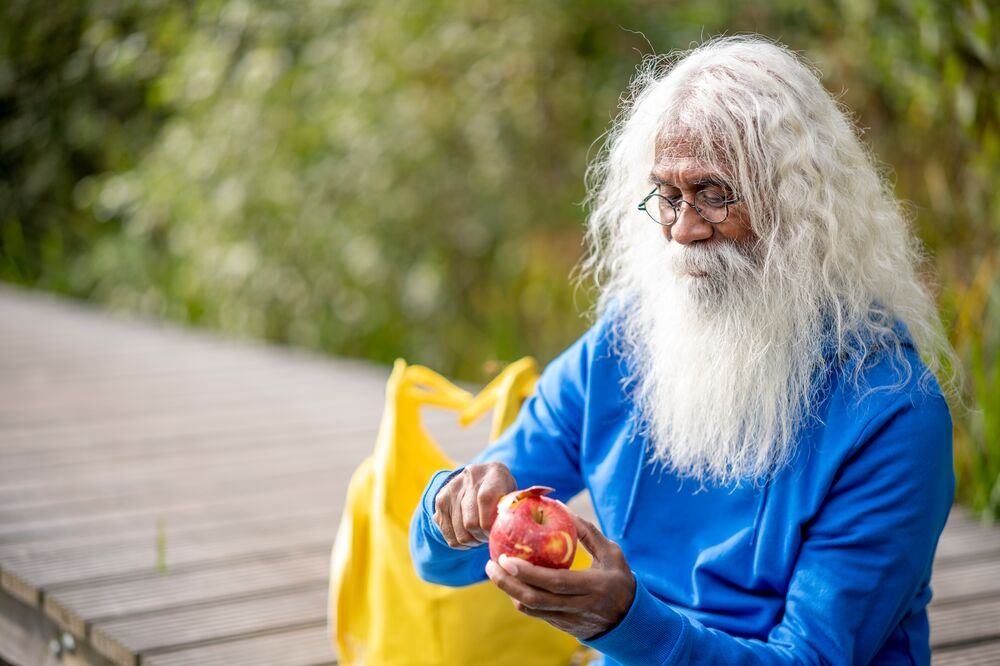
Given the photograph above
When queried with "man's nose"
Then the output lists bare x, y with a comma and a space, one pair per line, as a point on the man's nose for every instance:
690, 226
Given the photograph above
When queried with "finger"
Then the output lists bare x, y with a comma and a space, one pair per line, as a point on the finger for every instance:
462, 536
442, 515
447, 527
592, 539
527, 598
489, 496
556, 581
572, 621
471, 522
559, 619
443, 523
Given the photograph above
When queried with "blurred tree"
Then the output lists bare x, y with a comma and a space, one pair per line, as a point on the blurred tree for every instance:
73, 81
387, 178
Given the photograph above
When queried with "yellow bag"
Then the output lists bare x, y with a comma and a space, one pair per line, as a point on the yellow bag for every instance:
381, 613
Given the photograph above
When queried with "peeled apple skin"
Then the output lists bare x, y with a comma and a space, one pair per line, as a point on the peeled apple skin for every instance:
533, 528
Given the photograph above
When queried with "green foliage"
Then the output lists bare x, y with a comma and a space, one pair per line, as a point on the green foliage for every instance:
977, 340
73, 81
403, 178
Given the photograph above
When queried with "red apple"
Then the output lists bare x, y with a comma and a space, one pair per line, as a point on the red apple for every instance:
533, 528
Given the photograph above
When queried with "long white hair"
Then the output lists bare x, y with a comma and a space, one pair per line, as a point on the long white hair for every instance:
836, 268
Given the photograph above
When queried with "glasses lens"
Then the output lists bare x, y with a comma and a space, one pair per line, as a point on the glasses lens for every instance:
712, 204
665, 213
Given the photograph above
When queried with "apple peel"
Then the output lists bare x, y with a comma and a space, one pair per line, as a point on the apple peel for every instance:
512, 498
534, 528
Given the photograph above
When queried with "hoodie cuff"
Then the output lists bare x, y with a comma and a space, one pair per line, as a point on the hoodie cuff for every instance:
437, 482
648, 634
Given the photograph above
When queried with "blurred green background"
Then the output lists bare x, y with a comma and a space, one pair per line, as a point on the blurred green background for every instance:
404, 178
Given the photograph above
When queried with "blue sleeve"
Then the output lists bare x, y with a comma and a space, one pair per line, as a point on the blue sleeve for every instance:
864, 559
541, 447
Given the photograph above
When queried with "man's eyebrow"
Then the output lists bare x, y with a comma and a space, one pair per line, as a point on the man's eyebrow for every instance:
710, 180
700, 180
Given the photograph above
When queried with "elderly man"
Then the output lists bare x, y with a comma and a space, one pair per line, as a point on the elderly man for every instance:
768, 455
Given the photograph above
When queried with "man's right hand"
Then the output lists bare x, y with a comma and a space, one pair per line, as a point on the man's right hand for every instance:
465, 508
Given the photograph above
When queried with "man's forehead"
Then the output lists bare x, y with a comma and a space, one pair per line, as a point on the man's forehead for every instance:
686, 165
678, 151
676, 146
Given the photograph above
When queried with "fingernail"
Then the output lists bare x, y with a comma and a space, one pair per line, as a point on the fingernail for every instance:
490, 568
507, 563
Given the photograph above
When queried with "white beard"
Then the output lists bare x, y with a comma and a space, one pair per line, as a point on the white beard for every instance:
724, 367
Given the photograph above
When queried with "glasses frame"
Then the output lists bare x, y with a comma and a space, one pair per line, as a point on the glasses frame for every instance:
643, 206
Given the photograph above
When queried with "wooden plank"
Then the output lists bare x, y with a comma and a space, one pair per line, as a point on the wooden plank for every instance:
67, 361
132, 478
979, 654
140, 447
122, 640
40, 493
150, 352
193, 437
322, 408
177, 468
76, 467
31, 575
958, 547
107, 380
957, 624
144, 343
228, 394
200, 488
308, 646
22, 437
958, 550
74, 607
970, 580
144, 366
173, 510
253, 518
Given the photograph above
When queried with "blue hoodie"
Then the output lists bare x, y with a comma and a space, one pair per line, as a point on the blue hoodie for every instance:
828, 563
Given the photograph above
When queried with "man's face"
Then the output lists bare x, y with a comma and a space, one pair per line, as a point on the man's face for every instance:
713, 263
677, 172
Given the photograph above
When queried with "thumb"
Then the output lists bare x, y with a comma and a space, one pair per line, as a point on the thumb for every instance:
591, 538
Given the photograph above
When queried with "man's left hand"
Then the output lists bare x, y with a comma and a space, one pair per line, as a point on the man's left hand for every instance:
585, 603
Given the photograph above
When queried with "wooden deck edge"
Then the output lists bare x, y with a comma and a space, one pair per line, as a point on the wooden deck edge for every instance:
27, 635
111, 648
20, 589
65, 617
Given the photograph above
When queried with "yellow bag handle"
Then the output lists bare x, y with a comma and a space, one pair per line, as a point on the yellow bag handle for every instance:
504, 395
426, 387
420, 385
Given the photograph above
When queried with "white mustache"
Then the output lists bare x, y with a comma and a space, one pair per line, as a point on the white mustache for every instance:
716, 269
717, 259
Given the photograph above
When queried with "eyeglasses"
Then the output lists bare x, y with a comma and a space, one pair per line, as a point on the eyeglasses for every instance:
711, 203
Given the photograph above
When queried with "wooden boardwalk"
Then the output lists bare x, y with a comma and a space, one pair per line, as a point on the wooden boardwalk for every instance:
167, 498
